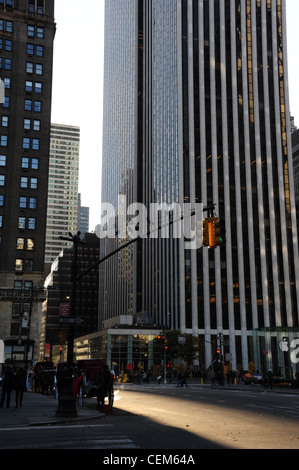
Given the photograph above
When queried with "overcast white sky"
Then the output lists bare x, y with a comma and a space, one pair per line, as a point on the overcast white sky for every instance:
78, 84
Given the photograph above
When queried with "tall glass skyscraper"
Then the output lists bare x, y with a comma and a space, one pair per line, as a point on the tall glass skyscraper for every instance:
196, 110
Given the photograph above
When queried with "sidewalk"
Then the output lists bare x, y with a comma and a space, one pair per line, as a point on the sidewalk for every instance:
40, 409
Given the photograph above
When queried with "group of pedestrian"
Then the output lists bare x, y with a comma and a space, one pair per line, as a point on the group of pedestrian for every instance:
13, 379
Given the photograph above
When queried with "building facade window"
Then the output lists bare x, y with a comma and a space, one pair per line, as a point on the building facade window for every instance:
31, 223
27, 124
20, 243
28, 105
6, 26
34, 163
24, 182
26, 143
19, 265
30, 244
29, 265
38, 69
35, 144
33, 183
25, 162
7, 64
38, 106
3, 140
29, 67
30, 49
29, 86
2, 180
23, 202
22, 223
28, 285
38, 87
4, 121
36, 125
2, 160
18, 286
32, 203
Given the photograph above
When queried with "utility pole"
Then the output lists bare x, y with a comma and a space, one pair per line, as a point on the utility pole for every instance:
67, 401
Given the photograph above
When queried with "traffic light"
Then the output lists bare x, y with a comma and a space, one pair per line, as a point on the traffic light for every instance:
219, 231
218, 354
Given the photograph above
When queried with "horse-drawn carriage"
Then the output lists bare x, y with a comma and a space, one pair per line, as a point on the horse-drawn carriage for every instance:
95, 380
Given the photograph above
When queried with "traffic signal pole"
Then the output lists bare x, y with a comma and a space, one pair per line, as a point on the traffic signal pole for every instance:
67, 403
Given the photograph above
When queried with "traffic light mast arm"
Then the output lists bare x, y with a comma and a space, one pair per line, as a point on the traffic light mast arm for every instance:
209, 208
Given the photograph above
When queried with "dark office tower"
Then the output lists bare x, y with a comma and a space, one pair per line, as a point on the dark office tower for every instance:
27, 32
196, 110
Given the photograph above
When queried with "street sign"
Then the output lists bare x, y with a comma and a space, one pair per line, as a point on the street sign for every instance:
71, 321
64, 310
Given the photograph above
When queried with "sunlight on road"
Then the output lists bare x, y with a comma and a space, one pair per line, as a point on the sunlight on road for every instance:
212, 418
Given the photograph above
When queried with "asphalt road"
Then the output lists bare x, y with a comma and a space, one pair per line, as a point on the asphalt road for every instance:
205, 418
164, 417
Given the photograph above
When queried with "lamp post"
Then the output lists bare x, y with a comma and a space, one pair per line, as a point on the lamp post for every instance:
67, 400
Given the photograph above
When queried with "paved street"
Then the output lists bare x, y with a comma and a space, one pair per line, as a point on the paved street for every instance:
201, 417
160, 417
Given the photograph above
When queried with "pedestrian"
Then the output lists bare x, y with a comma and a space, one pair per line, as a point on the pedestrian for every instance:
270, 379
213, 379
159, 377
20, 382
179, 379
7, 386
184, 380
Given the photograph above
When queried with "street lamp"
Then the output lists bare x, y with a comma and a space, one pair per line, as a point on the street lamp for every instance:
67, 400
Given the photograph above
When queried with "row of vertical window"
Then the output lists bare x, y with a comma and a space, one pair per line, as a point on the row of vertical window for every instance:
29, 124
25, 244
31, 68
27, 162
18, 285
34, 49
34, 6
25, 183
24, 265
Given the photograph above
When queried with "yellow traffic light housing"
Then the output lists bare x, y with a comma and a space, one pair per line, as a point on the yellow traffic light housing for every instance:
208, 238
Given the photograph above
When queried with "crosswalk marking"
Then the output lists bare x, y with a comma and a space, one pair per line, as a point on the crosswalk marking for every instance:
107, 438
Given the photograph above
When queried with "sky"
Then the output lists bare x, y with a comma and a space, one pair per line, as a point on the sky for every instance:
78, 84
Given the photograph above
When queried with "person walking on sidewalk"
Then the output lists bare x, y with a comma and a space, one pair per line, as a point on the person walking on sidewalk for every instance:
20, 386
7, 386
